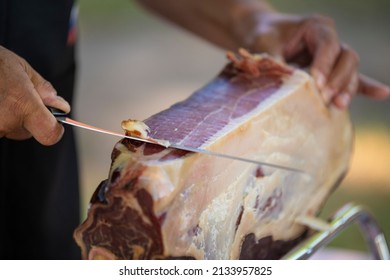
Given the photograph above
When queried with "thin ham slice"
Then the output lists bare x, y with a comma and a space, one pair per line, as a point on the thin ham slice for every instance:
163, 203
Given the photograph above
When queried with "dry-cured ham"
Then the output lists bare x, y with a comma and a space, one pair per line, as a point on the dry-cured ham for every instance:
161, 203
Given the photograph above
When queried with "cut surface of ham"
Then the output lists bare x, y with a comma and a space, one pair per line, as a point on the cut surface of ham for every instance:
162, 203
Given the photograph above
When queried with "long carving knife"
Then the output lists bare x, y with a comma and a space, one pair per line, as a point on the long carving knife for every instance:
63, 118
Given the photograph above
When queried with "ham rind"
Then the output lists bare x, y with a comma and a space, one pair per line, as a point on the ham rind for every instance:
161, 203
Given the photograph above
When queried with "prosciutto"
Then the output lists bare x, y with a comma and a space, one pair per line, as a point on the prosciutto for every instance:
163, 203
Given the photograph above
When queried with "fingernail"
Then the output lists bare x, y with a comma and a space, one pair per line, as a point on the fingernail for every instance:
343, 100
64, 105
327, 94
319, 78
59, 98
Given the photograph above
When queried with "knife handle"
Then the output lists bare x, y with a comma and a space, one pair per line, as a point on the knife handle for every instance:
57, 113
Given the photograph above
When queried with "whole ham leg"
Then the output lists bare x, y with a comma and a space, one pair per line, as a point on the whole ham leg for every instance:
160, 203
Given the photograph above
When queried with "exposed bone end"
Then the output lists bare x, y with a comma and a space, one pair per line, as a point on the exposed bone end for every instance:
135, 128
139, 129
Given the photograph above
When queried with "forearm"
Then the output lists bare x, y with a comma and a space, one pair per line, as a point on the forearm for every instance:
307, 41
214, 20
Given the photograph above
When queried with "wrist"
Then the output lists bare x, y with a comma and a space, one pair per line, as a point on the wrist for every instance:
247, 20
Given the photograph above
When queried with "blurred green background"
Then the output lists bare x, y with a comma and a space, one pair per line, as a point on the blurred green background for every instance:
133, 64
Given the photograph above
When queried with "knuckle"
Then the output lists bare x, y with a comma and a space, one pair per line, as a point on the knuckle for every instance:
353, 55
48, 86
23, 63
19, 105
335, 48
350, 53
322, 20
323, 29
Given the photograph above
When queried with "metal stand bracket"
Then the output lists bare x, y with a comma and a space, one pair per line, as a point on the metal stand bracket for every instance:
345, 217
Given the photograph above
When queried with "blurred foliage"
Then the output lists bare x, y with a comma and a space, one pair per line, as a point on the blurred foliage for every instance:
95, 10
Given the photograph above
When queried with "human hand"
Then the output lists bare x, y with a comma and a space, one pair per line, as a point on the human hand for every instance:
311, 41
24, 95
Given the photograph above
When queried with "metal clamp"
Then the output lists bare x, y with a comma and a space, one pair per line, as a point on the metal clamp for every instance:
345, 217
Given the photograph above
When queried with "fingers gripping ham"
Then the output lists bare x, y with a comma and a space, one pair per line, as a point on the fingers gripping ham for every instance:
161, 203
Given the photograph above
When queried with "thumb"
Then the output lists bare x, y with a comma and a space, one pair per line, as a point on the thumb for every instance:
42, 125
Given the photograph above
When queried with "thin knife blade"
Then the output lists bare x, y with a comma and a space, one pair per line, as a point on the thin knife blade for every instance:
69, 121
100, 130
211, 153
